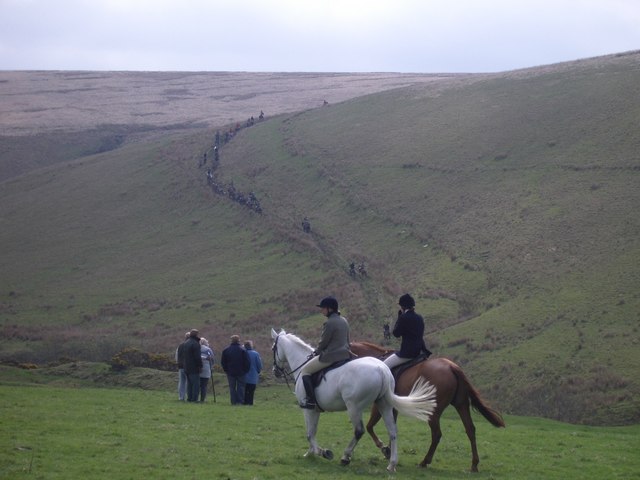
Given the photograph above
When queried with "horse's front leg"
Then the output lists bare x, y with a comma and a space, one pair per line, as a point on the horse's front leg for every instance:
436, 435
311, 418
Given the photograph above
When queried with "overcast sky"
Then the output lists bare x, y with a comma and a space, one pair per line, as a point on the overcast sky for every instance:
424, 36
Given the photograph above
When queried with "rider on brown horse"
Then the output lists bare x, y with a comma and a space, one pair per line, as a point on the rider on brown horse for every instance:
409, 326
452, 385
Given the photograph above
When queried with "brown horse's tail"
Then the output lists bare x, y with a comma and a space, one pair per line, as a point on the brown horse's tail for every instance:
477, 402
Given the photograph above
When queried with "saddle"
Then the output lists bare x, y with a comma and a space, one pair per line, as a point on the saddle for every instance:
316, 378
399, 370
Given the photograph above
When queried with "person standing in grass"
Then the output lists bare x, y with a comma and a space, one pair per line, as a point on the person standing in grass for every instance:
235, 363
409, 326
206, 353
182, 376
192, 365
252, 376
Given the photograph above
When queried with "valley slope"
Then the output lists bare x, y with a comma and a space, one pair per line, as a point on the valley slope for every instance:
506, 204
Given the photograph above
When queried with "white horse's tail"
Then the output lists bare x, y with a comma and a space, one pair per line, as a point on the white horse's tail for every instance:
420, 403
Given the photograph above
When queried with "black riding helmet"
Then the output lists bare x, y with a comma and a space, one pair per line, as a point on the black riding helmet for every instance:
406, 301
329, 302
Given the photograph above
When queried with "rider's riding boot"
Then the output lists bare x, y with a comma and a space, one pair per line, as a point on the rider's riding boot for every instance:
310, 400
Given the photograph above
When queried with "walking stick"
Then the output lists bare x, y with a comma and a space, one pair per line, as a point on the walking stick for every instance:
213, 388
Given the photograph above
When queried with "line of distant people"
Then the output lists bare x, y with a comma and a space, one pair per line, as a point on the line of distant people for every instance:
220, 140
248, 200
195, 360
229, 190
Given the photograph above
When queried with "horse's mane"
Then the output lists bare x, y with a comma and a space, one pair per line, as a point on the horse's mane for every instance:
299, 341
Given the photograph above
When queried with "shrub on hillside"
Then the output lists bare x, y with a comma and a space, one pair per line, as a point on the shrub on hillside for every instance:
458, 342
131, 357
24, 366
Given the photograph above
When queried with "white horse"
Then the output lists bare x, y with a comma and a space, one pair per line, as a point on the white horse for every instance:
354, 387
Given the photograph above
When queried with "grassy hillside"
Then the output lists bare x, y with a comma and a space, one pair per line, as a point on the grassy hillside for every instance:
130, 246
508, 205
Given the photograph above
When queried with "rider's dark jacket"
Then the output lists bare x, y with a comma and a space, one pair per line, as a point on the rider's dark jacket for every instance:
410, 326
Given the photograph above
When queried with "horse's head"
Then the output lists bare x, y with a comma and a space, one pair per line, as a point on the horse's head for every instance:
291, 350
278, 359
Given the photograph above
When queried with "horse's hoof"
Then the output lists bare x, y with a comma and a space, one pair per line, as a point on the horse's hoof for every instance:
328, 454
391, 469
386, 451
345, 461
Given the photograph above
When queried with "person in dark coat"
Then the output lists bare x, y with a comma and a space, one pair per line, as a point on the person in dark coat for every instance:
182, 376
192, 365
409, 326
235, 362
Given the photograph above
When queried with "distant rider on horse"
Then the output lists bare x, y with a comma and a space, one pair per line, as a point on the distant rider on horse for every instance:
409, 326
333, 347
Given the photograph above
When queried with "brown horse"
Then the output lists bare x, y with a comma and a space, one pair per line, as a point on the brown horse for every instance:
452, 388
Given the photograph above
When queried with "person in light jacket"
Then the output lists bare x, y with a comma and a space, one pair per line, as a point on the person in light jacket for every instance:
253, 375
206, 353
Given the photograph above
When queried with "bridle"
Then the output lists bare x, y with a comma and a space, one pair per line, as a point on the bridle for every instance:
281, 371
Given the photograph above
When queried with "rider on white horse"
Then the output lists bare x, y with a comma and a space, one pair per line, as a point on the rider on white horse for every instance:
333, 347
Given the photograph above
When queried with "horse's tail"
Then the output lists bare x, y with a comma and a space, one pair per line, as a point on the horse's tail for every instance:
420, 403
492, 416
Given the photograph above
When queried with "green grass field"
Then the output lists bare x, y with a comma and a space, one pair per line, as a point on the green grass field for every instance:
57, 432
